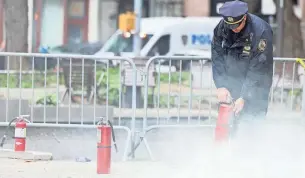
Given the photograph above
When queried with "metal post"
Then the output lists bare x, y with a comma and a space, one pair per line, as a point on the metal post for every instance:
303, 96
137, 39
31, 22
280, 28
152, 8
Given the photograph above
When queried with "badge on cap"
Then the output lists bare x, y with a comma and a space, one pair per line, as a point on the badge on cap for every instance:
262, 45
230, 19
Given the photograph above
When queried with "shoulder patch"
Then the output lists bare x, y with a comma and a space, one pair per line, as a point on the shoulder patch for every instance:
262, 45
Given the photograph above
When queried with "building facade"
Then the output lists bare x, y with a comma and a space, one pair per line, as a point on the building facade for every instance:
57, 22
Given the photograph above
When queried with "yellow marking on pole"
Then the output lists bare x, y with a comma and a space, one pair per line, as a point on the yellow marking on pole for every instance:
299, 60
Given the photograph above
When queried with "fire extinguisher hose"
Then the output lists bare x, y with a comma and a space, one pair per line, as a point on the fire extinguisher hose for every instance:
3, 139
113, 136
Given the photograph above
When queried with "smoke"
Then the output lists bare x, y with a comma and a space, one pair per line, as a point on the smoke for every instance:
272, 148
260, 148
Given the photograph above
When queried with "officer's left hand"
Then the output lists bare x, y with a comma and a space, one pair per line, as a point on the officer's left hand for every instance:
238, 105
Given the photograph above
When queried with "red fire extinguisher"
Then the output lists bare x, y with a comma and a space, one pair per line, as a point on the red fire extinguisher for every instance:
20, 132
105, 131
20, 135
224, 120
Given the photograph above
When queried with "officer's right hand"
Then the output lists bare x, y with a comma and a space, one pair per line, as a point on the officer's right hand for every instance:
223, 94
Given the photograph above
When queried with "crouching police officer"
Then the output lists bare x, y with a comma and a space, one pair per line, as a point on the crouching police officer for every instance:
242, 60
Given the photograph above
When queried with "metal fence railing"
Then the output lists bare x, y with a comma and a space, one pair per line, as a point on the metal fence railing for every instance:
84, 88
287, 85
81, 90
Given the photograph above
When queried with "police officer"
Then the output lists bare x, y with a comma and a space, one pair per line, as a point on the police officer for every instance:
242, 60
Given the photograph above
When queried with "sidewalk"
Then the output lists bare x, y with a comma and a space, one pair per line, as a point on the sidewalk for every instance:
137, 169
71, 169
274, 150
217, 166
65, 169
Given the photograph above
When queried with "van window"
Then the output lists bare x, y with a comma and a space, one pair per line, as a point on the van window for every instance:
161, 47
122, 43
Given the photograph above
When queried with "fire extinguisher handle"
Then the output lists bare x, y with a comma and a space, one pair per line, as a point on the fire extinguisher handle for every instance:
229, 101
225, 103
231, 104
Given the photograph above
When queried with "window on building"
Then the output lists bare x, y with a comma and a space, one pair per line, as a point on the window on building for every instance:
76, 22
76, 9
167, 8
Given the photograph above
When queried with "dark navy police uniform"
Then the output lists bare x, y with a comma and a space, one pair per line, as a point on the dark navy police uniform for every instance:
243, 62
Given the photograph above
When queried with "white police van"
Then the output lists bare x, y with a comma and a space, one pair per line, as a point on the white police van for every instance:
164, 36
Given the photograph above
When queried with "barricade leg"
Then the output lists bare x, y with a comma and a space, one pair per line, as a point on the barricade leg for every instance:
137, 144
132, 147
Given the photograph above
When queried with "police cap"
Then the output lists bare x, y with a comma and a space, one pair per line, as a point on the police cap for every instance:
233, 13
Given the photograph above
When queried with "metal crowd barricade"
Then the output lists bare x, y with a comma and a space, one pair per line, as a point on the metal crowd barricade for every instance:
38, 94
81, 74
177, 101
183, 98
288, 82
187, 99
128, 78
176, 87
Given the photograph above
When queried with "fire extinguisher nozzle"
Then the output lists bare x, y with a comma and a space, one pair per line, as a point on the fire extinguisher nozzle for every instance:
116, 147
2, 141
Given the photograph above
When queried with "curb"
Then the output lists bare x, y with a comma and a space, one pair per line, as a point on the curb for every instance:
27, 155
